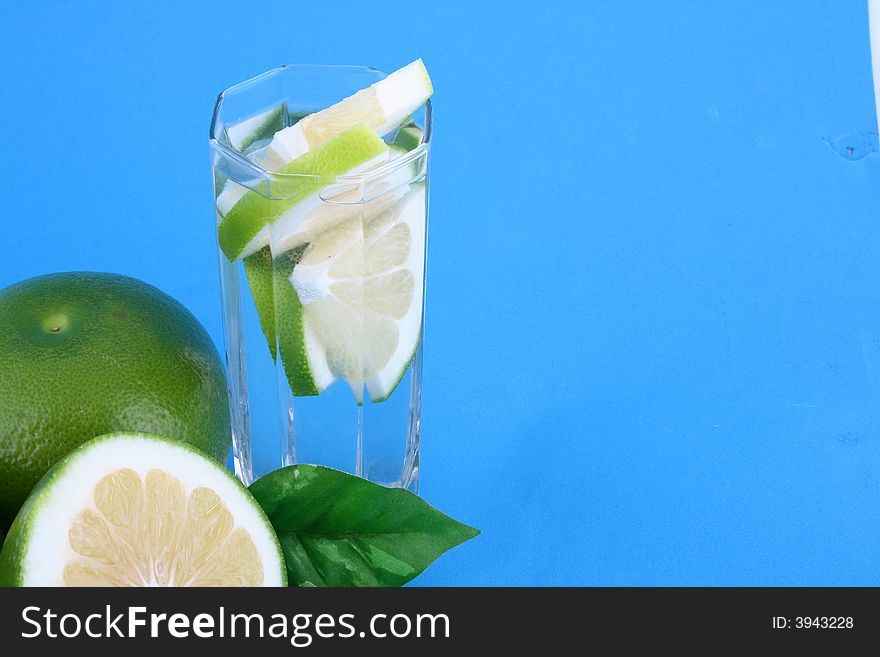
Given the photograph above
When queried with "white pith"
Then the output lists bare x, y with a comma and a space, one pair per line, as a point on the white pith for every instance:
399, 94
402, 93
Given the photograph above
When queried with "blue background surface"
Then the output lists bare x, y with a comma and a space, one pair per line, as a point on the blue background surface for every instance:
653, 341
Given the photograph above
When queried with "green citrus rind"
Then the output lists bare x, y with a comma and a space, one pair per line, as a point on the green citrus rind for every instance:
258, 270
84, 354
408, 137
291, 328
400, 376
280, 313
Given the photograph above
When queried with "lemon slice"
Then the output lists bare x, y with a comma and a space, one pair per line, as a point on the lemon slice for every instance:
360, 287
140, 510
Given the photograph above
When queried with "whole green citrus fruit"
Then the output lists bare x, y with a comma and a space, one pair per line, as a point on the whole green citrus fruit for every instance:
84, 354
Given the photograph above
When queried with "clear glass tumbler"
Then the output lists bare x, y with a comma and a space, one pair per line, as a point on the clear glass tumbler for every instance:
324, 310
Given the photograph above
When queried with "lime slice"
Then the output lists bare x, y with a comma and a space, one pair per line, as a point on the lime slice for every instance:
341, 202
258, 269
140, 510
407, 138
305, 364
381, 107
303, 223
360, 286
243, 134
268, 279
245, 228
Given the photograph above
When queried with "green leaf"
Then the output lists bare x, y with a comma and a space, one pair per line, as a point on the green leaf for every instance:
340, 530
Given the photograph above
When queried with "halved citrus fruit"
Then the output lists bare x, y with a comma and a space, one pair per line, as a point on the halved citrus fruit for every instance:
133, 509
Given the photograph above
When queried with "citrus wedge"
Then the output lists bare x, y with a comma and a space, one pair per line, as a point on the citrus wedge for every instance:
359, 286
381, 107
245, 228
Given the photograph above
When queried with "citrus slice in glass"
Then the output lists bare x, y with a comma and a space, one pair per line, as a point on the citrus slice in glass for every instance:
359, 286
244, 229
382, 107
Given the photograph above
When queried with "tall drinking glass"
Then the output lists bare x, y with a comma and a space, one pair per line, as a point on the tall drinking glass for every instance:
323, 308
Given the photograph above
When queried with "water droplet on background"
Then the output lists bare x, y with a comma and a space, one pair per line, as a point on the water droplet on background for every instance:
853, 145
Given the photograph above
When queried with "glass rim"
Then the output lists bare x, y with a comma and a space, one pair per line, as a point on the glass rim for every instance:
260, 172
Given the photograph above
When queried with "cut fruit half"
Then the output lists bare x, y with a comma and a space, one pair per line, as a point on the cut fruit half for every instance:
359, 285
133, 509
245, 228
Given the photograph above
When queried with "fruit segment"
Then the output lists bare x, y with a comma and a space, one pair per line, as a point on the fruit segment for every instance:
150, 532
